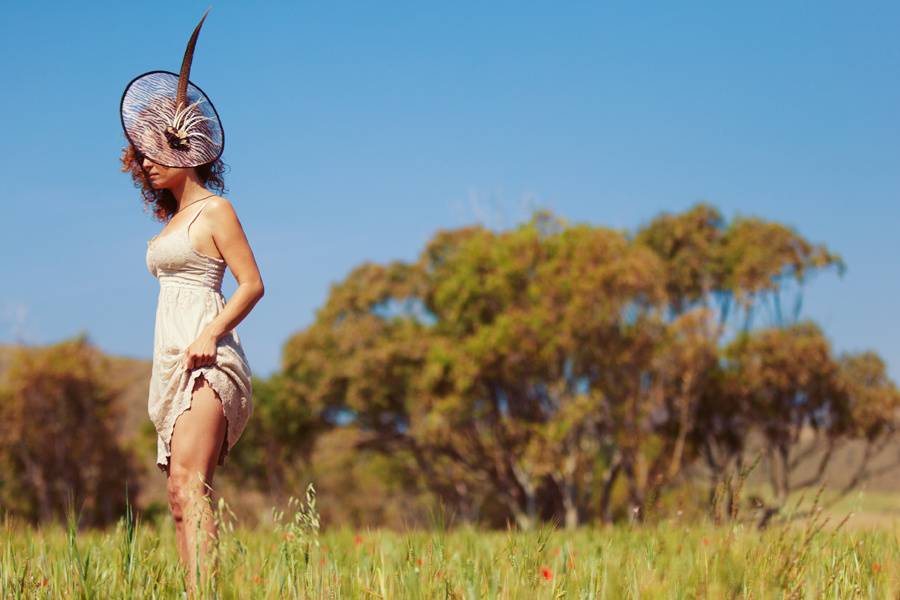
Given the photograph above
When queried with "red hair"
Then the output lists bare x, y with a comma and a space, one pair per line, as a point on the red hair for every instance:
162, 202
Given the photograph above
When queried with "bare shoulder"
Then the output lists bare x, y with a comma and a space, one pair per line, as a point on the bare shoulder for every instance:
221, 209
220, 204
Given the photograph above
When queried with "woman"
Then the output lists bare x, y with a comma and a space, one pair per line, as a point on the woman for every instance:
200, 387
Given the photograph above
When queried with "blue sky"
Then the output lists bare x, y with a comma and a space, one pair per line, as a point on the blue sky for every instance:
355, 130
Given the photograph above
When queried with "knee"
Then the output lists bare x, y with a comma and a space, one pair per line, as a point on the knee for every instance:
183, 487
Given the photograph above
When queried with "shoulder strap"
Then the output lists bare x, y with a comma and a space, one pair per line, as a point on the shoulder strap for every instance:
197, 214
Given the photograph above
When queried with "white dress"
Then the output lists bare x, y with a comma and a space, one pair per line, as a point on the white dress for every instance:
190, 296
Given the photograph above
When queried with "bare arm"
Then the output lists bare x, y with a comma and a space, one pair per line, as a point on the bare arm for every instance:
229, 238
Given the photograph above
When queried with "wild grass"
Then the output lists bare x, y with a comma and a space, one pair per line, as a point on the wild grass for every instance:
294, 558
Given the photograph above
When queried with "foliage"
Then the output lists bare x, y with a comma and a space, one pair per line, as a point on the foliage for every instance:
571, 372
60, 439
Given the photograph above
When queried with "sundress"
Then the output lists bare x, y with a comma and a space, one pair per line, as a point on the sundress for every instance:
190, 296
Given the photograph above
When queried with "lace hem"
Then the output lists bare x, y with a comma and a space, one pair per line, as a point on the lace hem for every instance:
218, 380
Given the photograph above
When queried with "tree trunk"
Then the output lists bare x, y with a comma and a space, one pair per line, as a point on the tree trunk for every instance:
525, 516
609, 480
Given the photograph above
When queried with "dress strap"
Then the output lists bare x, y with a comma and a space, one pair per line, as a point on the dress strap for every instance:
196, 214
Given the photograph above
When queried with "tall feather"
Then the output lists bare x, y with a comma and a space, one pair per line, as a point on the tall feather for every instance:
181, 95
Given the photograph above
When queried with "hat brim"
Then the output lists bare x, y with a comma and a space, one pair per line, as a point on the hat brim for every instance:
147, 107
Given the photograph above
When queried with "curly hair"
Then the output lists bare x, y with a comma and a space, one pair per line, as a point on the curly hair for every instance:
162, 203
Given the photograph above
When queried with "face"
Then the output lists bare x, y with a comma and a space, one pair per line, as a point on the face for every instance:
164, 177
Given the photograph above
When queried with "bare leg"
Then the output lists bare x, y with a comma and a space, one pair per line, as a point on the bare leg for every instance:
196, 442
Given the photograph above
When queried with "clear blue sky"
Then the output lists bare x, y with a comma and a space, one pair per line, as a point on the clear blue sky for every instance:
355, 130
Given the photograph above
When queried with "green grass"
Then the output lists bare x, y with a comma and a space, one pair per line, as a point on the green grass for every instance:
813, 558
664, 561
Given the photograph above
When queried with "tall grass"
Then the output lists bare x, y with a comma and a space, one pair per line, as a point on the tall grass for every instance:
294, 558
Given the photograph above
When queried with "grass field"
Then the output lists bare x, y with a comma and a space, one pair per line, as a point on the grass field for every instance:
816, 556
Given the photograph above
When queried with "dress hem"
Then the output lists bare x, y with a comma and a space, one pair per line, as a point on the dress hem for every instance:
185, 405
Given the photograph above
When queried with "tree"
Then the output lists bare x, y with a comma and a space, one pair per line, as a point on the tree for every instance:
806, 404
60, 436
567, 372
742, 269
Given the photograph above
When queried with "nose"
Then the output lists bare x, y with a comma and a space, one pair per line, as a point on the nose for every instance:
147, 163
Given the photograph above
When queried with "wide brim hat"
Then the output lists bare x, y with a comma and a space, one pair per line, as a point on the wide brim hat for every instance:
169, 119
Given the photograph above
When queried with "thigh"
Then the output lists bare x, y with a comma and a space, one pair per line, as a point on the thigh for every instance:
199, 433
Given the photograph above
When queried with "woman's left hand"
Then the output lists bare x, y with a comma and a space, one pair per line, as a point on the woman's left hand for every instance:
202, 353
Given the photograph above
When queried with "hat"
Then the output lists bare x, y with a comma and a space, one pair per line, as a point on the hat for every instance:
170, 120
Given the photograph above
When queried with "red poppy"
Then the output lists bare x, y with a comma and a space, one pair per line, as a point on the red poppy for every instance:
357, 539
546, 573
